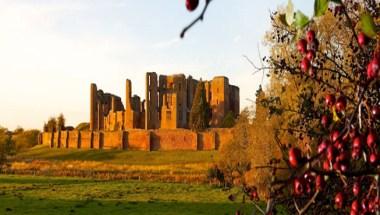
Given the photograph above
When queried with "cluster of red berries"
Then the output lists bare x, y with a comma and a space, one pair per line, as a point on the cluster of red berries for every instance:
373, 66
369, 203
308, 47
191, 5
308, 183
336, 153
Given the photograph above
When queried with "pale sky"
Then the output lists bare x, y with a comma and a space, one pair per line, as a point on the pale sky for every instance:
51, 50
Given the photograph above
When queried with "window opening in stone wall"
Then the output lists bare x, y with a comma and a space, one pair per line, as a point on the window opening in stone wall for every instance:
168, 115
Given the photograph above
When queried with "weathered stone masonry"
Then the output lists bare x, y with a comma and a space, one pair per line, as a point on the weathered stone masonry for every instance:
139, 139
167, 104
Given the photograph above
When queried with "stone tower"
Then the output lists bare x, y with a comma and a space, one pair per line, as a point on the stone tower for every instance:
151, 101
93, 107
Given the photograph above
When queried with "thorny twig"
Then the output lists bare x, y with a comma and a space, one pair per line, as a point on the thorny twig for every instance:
310, 202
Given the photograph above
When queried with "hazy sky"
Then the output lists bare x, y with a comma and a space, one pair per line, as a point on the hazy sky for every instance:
51, 50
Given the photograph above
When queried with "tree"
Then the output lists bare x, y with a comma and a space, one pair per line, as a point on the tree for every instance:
83, 126
61, 122
331, 64
45, 128
3, 142
332, 108
52, 124
235, 156
200, 109
19, 129
228, 120
25, 139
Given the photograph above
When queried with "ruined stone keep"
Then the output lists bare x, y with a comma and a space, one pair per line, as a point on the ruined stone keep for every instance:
167, 104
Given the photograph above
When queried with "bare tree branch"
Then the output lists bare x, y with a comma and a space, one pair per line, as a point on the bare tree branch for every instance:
199, 18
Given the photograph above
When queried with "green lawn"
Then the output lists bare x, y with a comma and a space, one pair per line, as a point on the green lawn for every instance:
56, 196
119, 156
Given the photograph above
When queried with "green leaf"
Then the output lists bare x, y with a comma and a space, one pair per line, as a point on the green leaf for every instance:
368, 25
301, 20
320, 7
289, 15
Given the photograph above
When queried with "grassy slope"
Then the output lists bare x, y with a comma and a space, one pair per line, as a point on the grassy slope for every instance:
44, 195
119, 156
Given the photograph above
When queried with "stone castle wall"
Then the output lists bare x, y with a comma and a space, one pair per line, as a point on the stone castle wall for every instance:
139, 139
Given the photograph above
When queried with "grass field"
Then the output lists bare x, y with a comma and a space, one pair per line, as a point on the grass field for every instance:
118, 156
166, 166
62, 196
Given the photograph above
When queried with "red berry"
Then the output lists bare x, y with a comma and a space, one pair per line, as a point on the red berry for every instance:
325, 120
365, 205
355, 154
339, 145
371, 139
320, 182
339, 200
373, 158
355, 206
357, 144
312, 72
375, 111
322, 146
305, 64
334, 135
352, 212
253, 195
191, 5
330, 100
310, 36
295, 156
326, 165
298, 186
331, 153
371, 74
309, 177
343, 156
341, 104
343, 167
375, 65
336, 166
372, 206
310, 55
301, 46
356, 188
362, 39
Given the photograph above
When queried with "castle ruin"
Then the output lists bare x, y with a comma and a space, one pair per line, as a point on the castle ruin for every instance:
160, 122
167, 104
